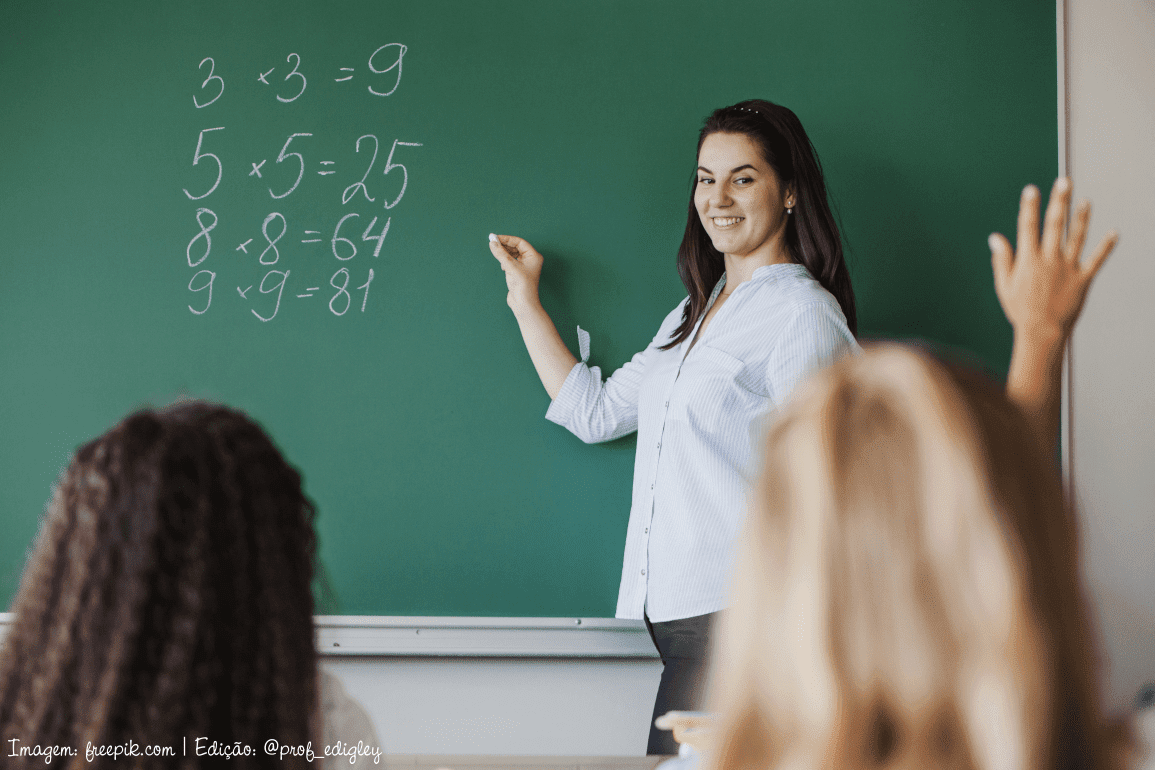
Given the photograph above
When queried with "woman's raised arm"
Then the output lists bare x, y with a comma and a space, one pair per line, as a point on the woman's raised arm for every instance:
522, 265
1041, 285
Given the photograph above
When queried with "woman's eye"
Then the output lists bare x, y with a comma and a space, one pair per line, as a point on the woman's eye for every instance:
744, 180
705, 181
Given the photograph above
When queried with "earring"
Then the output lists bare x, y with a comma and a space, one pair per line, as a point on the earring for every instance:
790, 210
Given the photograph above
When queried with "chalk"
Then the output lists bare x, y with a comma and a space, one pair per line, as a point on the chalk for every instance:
492, 237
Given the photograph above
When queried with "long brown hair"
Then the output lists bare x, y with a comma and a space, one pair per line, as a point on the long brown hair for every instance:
812, 236
908, 591
167, 597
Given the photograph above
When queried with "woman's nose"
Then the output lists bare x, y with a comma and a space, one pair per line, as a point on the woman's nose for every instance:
720, 195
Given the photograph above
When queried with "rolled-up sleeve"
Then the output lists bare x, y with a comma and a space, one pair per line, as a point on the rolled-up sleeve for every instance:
816, 336
597, 411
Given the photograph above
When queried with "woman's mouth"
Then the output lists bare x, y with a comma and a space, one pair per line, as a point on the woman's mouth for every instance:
724, 222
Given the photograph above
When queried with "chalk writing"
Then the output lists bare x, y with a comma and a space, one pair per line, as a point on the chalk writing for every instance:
400, 50
278, 287
208, 285
390, 165
294, 73
286, 155
297, 259
210, 78
198, 156
351, 190
204, 233
272, 241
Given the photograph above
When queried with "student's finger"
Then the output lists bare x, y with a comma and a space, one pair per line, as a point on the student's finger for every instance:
1028, 236
1104, 249
1078, 234
1056, 218
1002, 259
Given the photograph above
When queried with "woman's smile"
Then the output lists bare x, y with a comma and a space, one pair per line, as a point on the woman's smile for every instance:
740, 200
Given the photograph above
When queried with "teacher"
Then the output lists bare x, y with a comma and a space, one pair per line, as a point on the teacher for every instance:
769, 301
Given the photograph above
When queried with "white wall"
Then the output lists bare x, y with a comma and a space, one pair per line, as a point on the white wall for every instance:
535, 686
1111, 85
555, 707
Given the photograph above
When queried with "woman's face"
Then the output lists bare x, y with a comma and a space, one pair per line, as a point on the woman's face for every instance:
739, 198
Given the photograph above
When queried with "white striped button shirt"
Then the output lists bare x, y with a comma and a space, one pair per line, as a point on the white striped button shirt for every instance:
694, 415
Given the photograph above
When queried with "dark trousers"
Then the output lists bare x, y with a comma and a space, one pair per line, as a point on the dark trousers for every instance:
683, 645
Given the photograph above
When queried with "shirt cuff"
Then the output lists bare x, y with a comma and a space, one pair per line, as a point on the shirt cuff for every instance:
574, 386
584, 344
567, 400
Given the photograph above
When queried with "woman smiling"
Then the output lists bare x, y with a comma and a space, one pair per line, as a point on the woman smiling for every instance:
769, 301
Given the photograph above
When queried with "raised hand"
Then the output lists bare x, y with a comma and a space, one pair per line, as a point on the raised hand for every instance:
1042, 284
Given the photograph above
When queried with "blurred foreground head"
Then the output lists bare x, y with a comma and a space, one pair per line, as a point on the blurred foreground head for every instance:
908, 591
167, 595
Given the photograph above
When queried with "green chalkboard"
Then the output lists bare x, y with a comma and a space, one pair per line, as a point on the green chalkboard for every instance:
149, 148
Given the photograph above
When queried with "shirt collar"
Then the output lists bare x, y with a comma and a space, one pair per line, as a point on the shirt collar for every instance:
768, 273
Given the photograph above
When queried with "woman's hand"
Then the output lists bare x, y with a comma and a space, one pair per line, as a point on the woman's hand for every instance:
1042, 285
522, 266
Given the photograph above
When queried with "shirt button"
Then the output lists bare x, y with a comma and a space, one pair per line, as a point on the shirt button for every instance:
647, 530
659, 445
643, 572
667, 403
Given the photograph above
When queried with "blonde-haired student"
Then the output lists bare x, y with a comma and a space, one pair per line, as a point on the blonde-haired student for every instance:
911, 559
910, 554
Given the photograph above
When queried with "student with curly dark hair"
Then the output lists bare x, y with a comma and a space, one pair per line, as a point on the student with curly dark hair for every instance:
167, 602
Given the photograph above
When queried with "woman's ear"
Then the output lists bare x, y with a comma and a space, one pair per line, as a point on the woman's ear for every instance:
791, 196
